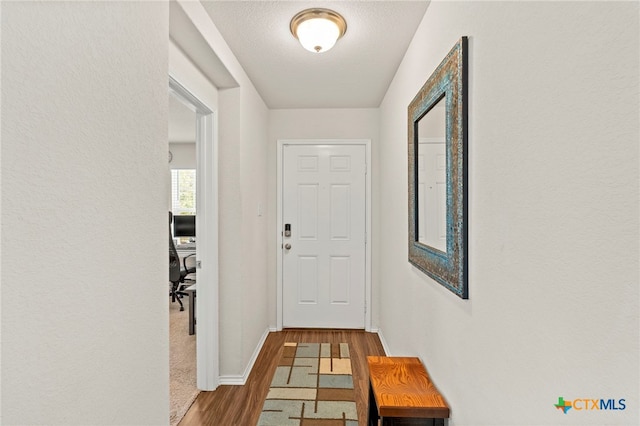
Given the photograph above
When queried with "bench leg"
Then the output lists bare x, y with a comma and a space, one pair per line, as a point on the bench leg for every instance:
373, 409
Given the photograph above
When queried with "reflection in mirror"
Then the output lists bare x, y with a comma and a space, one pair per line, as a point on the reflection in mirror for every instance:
432, 174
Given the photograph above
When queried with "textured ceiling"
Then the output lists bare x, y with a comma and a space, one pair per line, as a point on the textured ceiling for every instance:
354, 74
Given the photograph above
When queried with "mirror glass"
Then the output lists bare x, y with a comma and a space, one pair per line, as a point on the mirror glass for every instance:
432, 178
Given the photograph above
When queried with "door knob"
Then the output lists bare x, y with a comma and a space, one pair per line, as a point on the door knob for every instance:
287, 246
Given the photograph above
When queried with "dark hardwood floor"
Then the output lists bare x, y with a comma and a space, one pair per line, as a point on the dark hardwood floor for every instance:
241, 405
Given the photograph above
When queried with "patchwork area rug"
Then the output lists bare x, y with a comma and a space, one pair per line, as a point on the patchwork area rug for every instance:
312, 386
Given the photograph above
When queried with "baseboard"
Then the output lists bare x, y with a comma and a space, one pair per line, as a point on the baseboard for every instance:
235, 380
240, 380
384, 343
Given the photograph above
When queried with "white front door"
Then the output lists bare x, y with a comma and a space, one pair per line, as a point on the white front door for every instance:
324, 256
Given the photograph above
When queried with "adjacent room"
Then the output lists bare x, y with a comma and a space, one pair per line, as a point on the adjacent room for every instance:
182, 245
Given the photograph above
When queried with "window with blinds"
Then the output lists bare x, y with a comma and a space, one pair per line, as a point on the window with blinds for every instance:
183, 191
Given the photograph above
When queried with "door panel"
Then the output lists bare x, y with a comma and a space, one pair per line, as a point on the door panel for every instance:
340, 267
324, 202
308, 211
432, 200
307, 279
340, 203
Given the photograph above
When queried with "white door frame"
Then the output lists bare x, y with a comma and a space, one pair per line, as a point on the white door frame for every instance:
279, 239
207, 344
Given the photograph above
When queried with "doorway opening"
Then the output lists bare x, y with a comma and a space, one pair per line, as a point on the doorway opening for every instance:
206, 302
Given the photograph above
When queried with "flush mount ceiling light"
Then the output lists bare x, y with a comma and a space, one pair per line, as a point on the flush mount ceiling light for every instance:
318, 29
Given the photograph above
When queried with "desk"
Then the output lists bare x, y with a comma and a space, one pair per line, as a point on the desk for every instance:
191, 292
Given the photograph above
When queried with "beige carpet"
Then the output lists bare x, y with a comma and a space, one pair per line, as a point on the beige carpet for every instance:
182, 362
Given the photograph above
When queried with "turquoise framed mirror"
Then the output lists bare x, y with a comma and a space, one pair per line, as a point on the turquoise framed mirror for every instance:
438, 174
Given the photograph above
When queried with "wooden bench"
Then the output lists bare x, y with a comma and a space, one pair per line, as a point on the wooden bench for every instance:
401, 393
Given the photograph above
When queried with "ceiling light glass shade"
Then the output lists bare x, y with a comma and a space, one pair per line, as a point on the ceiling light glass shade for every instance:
318, 35
318, 29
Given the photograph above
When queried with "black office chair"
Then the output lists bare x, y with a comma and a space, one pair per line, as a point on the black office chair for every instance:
177, 272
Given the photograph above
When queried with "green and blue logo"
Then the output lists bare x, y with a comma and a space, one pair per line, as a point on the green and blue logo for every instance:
563, 405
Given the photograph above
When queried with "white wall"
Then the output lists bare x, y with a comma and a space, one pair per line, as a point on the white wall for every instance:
319, 124
84, 314
230, 246
243, 288
553, 178
243, 281
253, 186
184, 154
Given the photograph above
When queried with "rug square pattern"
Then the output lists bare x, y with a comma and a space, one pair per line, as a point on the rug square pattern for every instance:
312, 386
279, 413
336, 381
292, 393
308, 350
328, 410
335, 366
